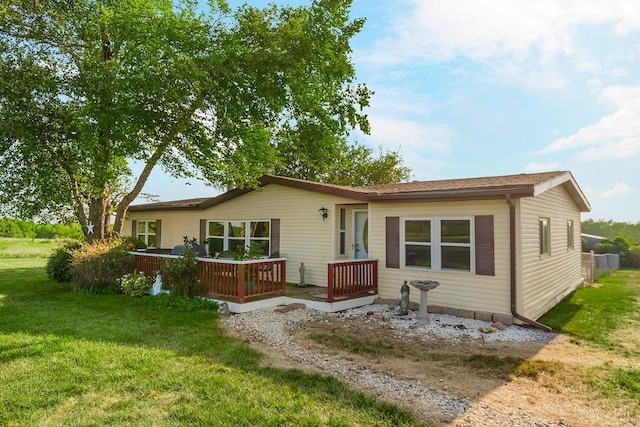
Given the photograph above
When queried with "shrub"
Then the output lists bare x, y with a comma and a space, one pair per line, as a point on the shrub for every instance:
59, 263
253, 251
612, 246
631, 259
97, 266
181, 303
135, 284
133, 243
181, 274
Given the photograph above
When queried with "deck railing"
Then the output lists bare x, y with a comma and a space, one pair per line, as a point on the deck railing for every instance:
351, 278
227, 279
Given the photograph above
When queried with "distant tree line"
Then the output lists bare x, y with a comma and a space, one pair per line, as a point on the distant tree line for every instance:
611, 229
10, 227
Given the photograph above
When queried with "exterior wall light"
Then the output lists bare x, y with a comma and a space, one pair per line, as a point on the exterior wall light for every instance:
324, 212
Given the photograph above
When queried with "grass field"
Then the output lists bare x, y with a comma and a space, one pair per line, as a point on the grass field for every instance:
606, 314
71, 358
28, 248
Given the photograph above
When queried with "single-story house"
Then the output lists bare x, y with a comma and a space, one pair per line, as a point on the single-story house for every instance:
505, 246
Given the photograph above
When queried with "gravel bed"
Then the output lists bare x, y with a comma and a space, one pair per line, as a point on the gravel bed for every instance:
276, 330
445, 326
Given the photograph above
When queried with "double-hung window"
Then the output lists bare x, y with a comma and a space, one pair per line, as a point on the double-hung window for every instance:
417, 243
146, 231
229, 235
455, 244
438, 243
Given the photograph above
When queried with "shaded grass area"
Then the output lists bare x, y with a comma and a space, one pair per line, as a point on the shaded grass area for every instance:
71, 358
607, 315
594, 314
483, 364
28, 248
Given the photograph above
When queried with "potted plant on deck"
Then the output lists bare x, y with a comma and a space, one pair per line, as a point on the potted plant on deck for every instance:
247, 253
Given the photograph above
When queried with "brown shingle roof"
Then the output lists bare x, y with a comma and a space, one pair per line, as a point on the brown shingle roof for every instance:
173, 204
464, 183
492, 187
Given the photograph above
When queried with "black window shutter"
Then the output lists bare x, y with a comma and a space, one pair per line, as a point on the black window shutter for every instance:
275, 237
158, 233
134, 229
392, 234
485, 257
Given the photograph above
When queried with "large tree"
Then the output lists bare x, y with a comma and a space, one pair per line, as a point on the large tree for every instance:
86, 86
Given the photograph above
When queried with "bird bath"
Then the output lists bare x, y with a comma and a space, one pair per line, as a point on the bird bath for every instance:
424, 286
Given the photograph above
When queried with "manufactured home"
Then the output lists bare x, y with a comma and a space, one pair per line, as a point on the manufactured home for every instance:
501, 247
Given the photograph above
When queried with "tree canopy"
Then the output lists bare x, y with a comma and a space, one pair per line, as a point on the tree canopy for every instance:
228, 95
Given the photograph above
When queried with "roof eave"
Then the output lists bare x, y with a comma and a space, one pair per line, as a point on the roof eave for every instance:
316, 187
570, 185
456, 195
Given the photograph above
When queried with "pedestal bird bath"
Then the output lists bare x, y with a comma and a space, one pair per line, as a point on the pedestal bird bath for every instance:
424, 286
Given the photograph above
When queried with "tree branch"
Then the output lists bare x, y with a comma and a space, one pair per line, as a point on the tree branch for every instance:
165, 143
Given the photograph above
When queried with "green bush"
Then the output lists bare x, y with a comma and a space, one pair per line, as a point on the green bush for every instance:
631, 259
180, 274
135, 284
133, 243
97, 266
181, 302
59, 263
612, 246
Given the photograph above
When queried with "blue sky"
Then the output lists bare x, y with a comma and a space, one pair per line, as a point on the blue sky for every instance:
465, 88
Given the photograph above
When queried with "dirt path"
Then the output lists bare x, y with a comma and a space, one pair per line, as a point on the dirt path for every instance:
498, 383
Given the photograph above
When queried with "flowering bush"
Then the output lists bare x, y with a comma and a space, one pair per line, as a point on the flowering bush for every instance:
135, 284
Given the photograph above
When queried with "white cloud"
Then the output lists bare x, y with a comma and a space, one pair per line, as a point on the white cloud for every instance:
414, 137
616, 135
619, 72
540, 167
619, 190
521, 40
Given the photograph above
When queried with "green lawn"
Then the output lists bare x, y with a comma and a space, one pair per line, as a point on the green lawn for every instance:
607, 315
601, 314
28, 248
71, 358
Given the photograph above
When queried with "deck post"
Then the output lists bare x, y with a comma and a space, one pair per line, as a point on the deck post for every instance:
240, 284
330, 284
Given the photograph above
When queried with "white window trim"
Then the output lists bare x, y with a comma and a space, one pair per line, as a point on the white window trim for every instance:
146, 233
342, 231
247, 237
436, 243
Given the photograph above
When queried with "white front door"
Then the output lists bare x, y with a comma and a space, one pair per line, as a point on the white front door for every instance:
361, 234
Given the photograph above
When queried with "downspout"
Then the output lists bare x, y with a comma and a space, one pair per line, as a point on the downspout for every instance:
512, 268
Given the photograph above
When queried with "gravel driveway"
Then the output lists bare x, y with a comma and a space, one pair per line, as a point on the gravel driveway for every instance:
276, 330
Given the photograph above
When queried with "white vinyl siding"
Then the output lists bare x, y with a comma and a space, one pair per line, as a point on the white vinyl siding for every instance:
544, 280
